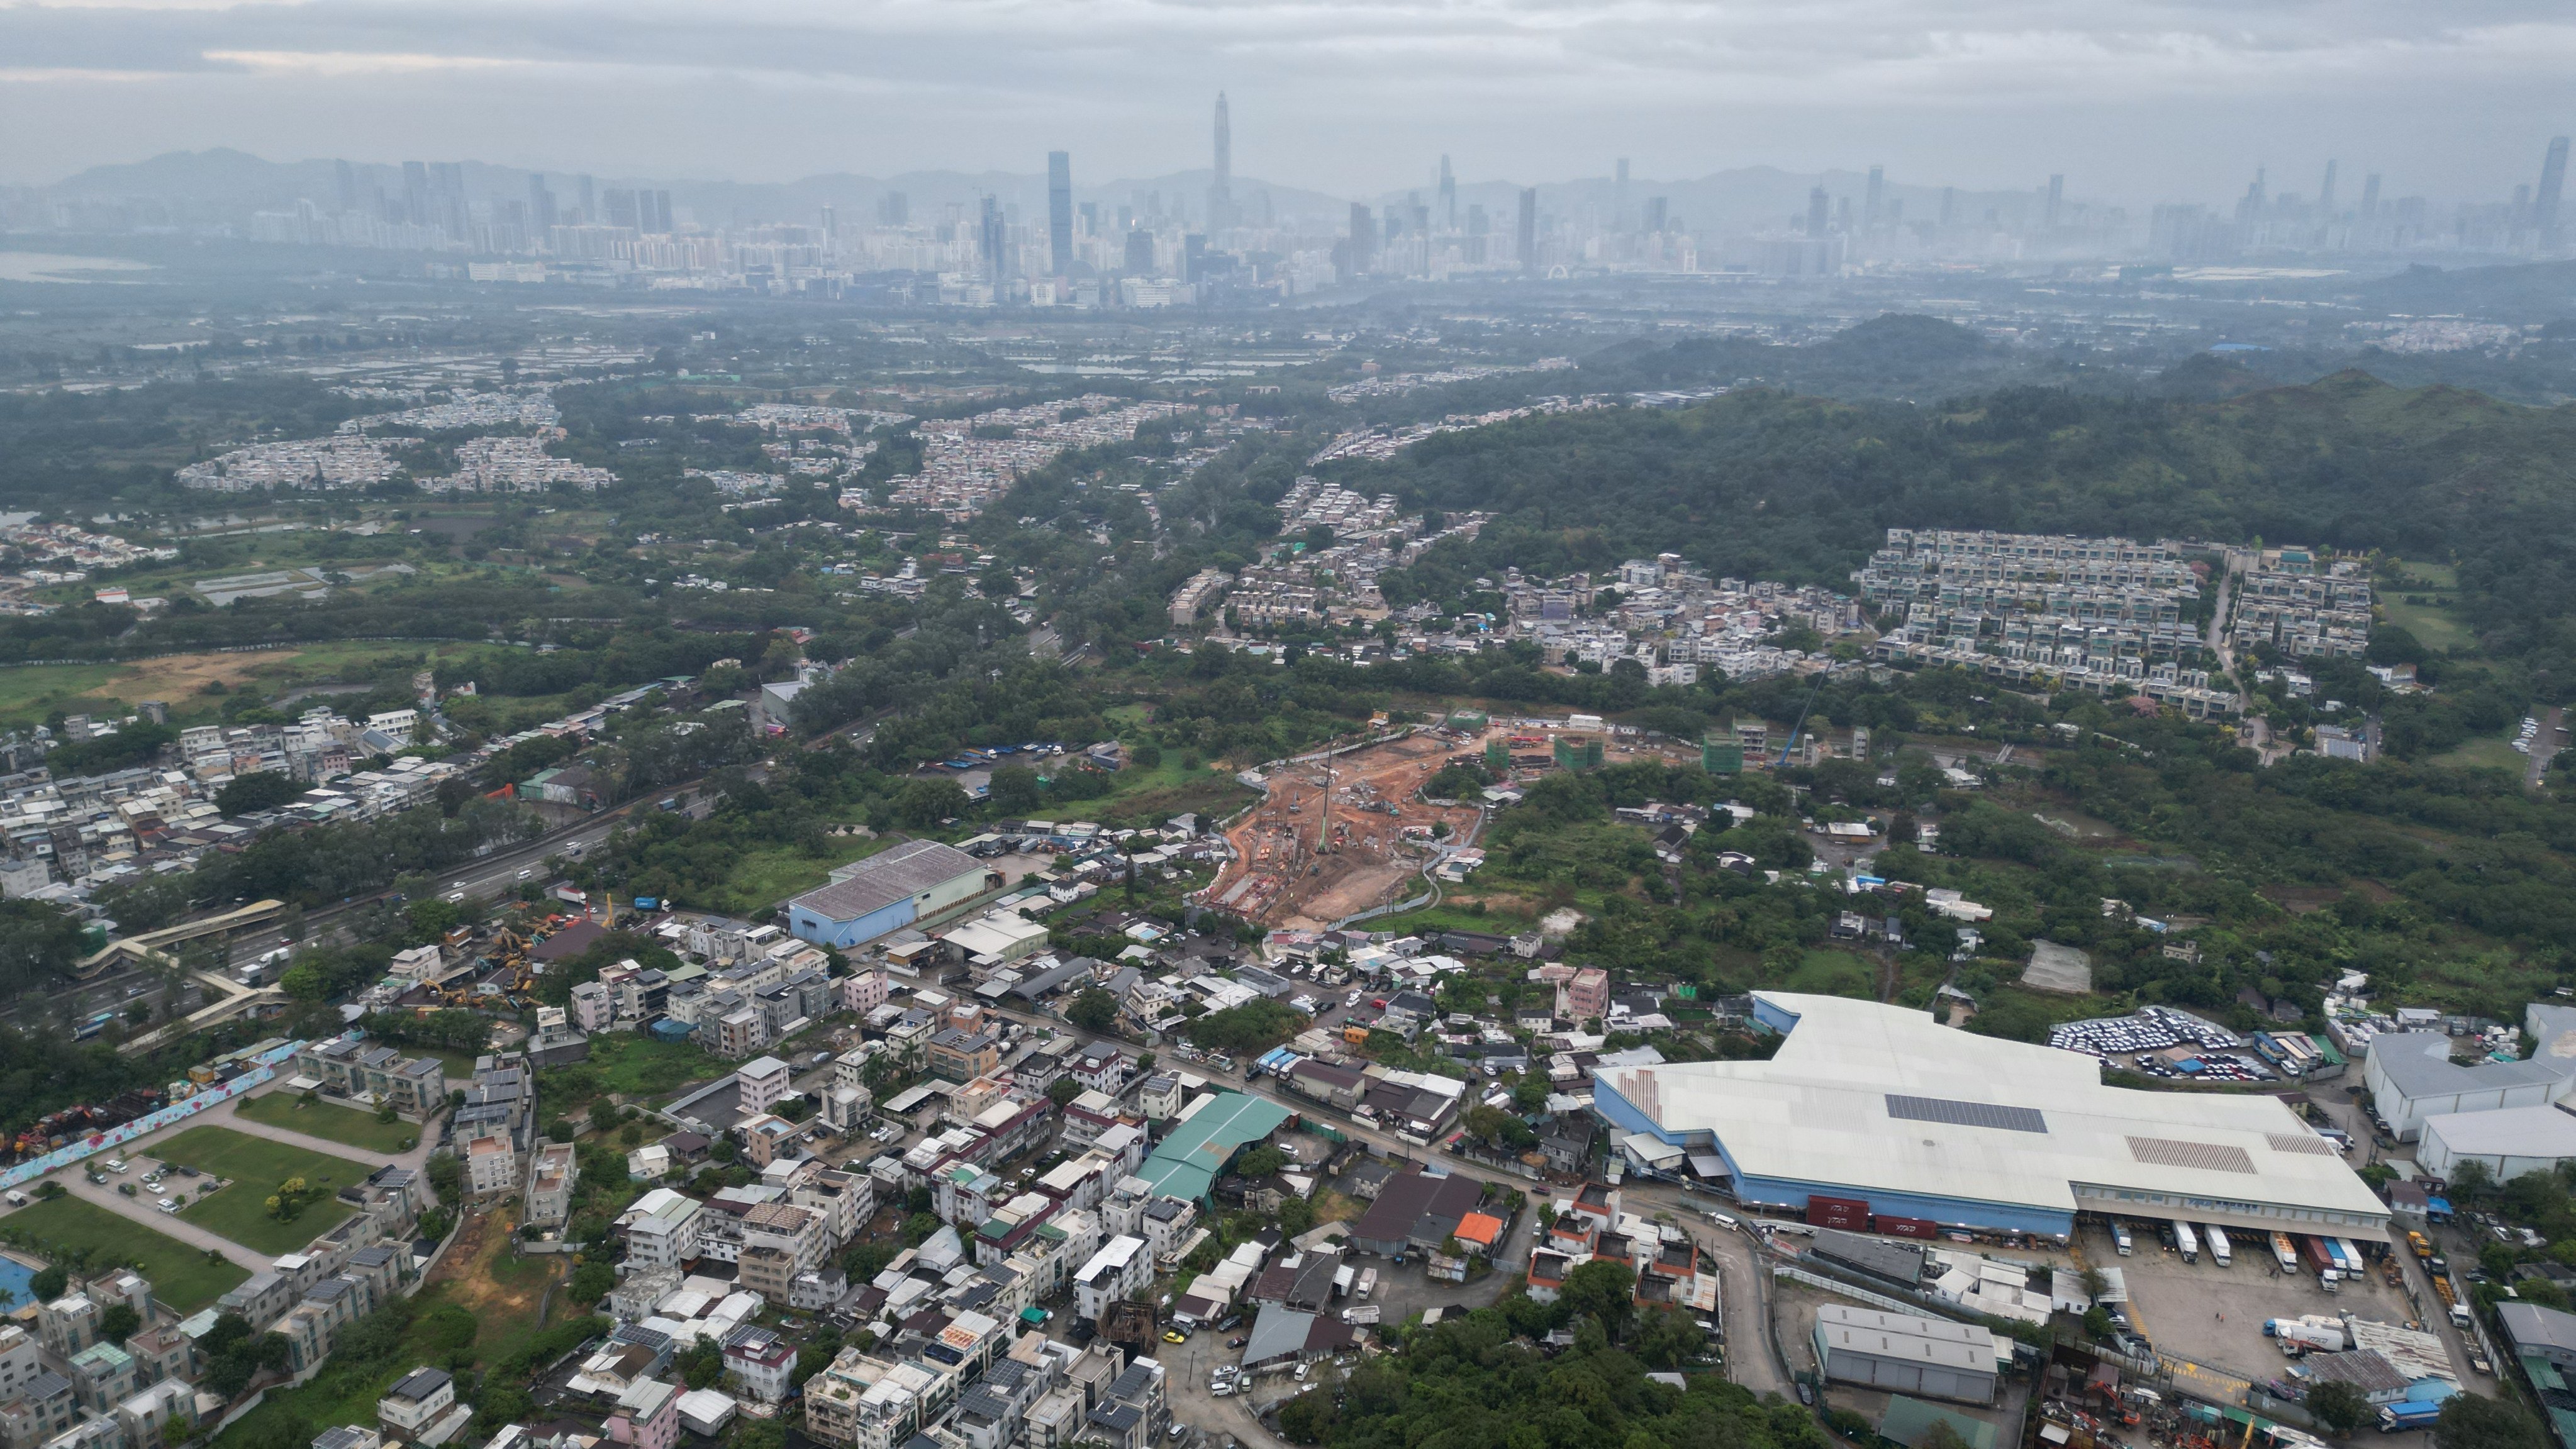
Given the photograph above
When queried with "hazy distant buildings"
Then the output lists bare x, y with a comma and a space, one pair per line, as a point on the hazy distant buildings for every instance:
1220, 198
1060, 213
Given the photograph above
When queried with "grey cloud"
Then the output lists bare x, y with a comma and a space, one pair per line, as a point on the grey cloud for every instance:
2139, 99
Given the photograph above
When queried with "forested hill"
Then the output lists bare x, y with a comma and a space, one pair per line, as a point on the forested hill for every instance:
1767, 483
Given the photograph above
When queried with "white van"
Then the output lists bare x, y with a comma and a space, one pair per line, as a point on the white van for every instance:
17, 1198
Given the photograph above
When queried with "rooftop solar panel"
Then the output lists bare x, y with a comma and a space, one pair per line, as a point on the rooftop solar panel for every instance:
1965, 1114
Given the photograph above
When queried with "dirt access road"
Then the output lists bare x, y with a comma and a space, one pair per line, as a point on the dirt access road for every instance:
1330, 838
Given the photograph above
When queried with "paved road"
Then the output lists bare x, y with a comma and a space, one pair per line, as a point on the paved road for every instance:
2218, 617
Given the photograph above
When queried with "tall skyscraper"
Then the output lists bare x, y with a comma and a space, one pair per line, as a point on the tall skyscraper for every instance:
988, 239
1818, 208
347, 176
1448, 196
1877, 189
541, 202
1059, 213
1949, 203
589, 201
1528, 234
2056, 198
1619, 198
894, 209
1140, 253
1221, 189
1363, 239
2370, 196
416, 194
2553, 181
1658, 214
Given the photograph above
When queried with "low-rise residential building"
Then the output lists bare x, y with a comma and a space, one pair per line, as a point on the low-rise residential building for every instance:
662, 1229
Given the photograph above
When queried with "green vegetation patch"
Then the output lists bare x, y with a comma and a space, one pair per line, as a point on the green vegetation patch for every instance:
63, 1228
256, 1167
1834, 973
330, 1122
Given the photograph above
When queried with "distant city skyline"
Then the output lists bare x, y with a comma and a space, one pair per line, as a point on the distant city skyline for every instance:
2133, 104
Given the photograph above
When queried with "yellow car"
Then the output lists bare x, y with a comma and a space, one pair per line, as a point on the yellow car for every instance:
1174, 1335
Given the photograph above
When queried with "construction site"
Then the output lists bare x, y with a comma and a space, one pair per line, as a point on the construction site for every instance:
1342, 834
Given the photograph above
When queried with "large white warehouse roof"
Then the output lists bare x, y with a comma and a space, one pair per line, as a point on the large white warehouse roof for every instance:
1873, 1101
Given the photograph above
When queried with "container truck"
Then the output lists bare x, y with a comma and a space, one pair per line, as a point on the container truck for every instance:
2120, 1237
2286, 1252
2221, 1251
2292, 1332
2186, 1242
2314, 1251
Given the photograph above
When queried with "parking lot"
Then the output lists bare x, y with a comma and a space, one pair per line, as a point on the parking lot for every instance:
2214, 1316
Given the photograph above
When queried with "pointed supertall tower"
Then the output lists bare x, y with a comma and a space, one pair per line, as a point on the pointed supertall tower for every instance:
1221, 190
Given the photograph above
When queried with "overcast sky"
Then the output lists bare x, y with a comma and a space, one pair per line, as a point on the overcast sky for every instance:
2136, 101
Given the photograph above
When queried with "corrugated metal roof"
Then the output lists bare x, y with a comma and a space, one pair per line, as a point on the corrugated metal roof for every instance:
892, 875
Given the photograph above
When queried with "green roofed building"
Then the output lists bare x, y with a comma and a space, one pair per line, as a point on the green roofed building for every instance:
1189, 1161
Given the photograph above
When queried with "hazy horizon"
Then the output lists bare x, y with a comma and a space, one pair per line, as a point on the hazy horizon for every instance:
2133, 103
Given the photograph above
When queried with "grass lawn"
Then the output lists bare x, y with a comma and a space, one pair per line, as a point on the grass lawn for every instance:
1834, 973
181, 1276
632, 1066
2493, 752
256, 1166
331, 1122
1152, 795
766, 877
2438, 627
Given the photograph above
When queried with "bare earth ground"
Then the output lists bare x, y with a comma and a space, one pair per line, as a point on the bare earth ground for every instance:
1285, 874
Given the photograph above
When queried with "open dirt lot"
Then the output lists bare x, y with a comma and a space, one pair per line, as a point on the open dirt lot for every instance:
1331, 838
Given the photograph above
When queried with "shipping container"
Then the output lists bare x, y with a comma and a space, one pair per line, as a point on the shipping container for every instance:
2314, 1251
2286, 1251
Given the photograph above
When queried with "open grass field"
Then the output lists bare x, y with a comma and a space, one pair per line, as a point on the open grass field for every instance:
255, 1166
633, 1067
331, 1122
28, 695
1146, 795
2438, 626
2495, 752
181, 1276
1834, 973
766, 877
